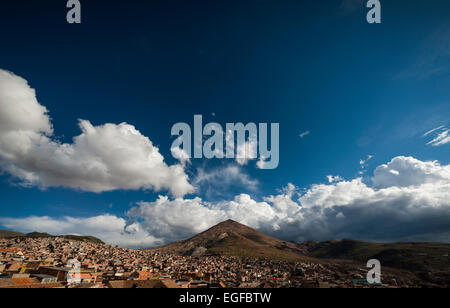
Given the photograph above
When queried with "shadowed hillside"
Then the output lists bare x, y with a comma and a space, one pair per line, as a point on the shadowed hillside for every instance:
415, 257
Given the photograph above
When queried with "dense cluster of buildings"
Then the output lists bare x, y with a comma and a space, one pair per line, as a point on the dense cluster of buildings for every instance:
61, 263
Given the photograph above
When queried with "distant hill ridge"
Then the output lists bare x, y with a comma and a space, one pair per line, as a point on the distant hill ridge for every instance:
12, 234
414, 257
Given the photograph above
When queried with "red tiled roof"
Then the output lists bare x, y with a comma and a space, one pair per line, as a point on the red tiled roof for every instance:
24, 281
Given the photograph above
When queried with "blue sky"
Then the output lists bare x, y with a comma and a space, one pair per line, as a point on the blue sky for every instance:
359, 89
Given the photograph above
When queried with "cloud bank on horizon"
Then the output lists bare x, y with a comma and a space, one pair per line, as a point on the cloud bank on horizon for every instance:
406, 198
409, 200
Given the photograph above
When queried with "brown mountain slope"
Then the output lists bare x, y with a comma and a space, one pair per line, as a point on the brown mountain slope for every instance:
9, 234
231, 238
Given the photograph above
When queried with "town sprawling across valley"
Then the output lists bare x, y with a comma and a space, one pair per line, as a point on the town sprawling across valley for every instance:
44, 261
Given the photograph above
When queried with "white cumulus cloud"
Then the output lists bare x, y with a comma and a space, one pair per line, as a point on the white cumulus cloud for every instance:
334, 178
408, 171
102, 158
